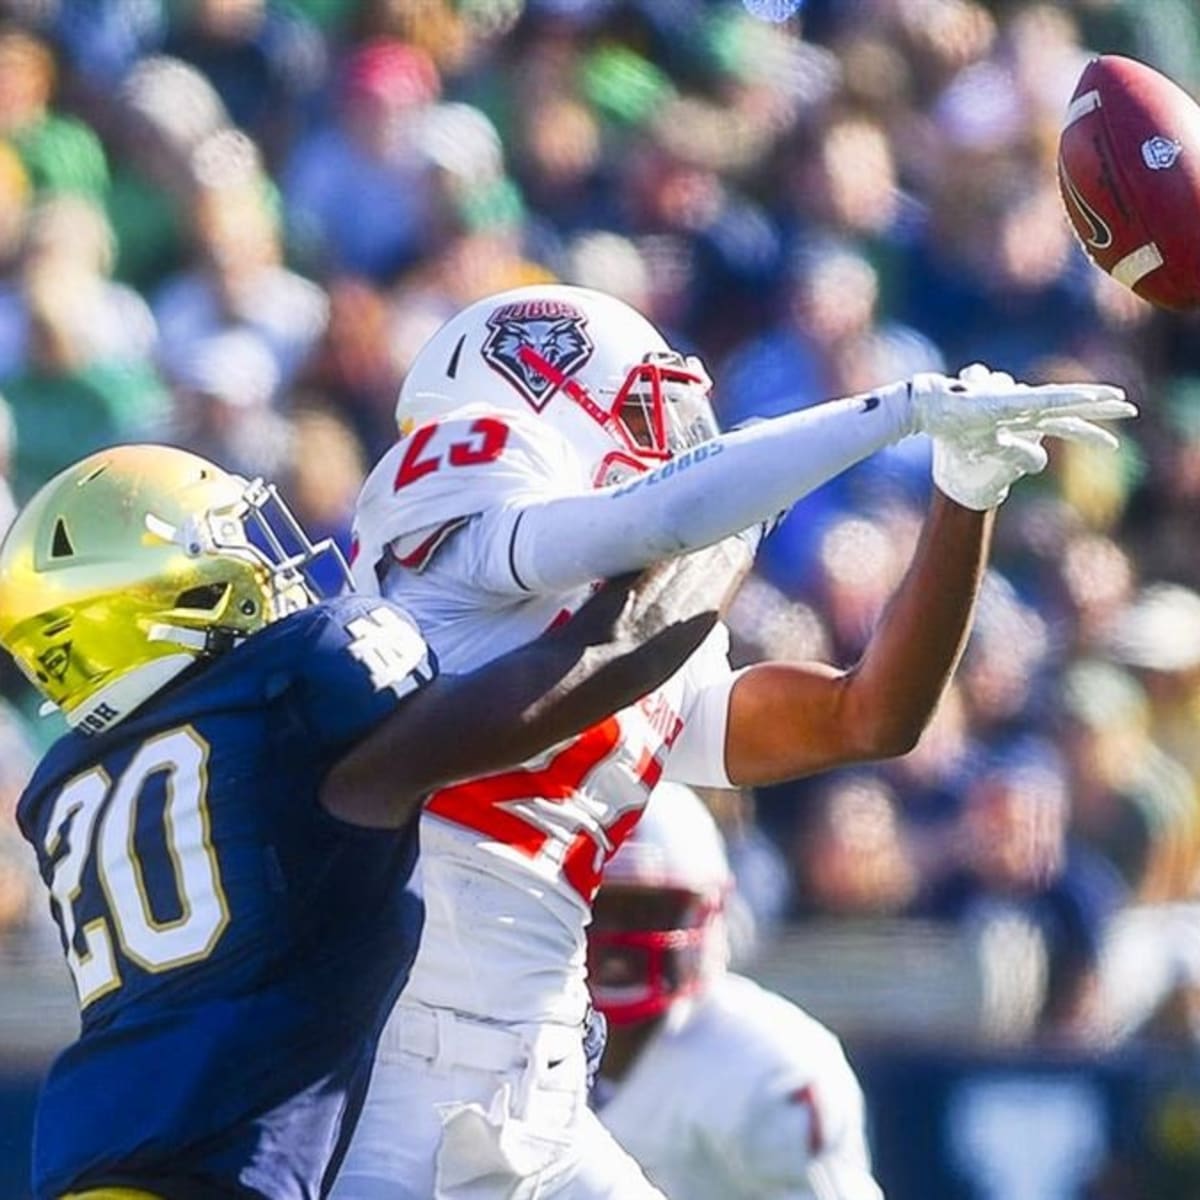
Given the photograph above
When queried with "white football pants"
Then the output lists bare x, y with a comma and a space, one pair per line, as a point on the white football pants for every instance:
460, 1109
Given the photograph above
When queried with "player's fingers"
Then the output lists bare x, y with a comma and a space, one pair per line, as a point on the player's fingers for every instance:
1104, 401
602, 611
1008, 435
1026, 416
1077, 391
1075, 429
1023, 450
975, 372
983, 376
1096, 401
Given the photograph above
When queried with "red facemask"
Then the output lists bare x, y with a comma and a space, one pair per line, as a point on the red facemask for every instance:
660, 409
636, 975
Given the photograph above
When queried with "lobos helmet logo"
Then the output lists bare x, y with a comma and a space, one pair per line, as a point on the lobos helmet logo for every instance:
554, 330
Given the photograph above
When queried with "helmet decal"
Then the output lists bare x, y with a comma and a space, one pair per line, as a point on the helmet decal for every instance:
55, 661
554, 330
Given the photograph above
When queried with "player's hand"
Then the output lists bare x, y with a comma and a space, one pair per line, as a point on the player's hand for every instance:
987, 429
980, 400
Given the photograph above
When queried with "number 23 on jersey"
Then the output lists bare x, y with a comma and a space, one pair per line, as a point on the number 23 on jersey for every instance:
429, 449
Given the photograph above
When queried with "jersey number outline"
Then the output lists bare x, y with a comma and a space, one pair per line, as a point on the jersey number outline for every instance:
539, 811
486, 443
98, 817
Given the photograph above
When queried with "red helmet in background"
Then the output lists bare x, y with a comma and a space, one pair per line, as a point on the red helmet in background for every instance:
657, 932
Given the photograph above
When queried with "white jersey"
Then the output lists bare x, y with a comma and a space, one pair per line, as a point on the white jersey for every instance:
510, 863
743, 1096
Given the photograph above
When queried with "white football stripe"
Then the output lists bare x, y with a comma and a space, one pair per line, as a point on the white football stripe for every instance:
1137, 265
1081, 106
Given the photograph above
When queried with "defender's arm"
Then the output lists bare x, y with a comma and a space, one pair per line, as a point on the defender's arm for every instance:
626, 640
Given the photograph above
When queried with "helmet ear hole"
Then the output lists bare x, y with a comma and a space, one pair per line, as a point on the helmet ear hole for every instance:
205, 598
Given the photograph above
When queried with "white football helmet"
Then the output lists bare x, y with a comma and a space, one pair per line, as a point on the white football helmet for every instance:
657, 928
589, 364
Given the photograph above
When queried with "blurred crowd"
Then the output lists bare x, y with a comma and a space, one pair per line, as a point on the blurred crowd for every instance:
230, 224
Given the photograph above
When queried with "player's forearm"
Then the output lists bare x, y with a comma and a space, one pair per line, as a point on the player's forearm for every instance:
627, 640
705, 494
894, 690
602, 660
792, 719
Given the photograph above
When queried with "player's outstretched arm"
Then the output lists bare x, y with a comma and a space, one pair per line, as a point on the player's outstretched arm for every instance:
631, 636
787, 720
751, 474
793, 719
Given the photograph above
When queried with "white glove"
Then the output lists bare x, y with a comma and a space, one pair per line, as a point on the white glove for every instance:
987, 429
978, 476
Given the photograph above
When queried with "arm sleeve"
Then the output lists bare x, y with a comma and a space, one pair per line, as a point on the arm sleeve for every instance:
419, 500
705, 494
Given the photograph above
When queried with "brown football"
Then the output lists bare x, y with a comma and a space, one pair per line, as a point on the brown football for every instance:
1129, 171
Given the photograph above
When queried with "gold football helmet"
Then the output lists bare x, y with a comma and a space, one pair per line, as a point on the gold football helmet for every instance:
129, 566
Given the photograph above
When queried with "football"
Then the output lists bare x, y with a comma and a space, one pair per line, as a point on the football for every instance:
1129, 172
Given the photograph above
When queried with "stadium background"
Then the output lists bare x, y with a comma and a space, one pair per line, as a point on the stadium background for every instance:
230, 224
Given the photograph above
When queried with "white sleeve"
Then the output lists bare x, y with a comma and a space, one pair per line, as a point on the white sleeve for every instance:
705, 494
482, 551
698, 754
474, 471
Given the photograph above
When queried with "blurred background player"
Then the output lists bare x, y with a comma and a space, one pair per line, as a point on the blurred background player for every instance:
551, 436
227, 833
716, 1086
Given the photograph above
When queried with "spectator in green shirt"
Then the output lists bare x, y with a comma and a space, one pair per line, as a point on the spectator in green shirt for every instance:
60, 153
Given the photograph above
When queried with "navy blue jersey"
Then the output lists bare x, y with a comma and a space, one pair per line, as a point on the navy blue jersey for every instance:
236, 949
